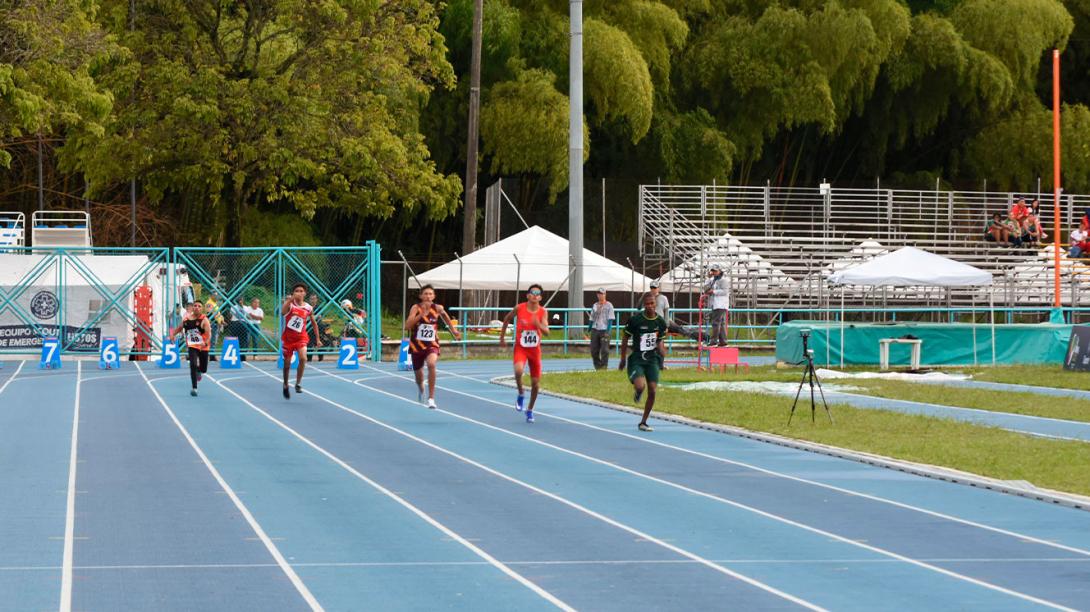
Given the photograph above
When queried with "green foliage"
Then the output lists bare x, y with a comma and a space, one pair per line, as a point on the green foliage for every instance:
617, 80
657, 31
311, 104
693, 150
1018, 149
524, 128
48, 51
262, 228
1014, 31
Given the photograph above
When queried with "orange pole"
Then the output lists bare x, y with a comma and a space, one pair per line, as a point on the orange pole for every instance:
1056, 169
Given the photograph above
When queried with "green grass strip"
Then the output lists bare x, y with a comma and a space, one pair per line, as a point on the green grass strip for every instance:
1016, 402
987, 451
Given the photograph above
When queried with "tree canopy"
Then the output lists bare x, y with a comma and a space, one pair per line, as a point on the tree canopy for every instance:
338, 119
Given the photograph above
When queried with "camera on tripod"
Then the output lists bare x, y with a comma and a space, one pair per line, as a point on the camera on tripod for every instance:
808, 376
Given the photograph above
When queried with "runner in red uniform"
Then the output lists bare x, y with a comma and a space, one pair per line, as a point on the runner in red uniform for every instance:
423, 328
531, 324
298, 317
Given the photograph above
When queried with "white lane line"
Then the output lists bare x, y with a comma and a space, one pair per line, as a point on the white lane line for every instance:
70, 507
8, 381
830, 487
741, 506
632, 530
109, 376
577, 562
258, 530
547, 596
230, 378
911, 404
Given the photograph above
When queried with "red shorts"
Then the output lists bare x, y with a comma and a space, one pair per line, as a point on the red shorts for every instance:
421, 357
531, 356
294, 345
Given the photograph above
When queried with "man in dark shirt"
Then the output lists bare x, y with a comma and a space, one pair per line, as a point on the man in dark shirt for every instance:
646, 331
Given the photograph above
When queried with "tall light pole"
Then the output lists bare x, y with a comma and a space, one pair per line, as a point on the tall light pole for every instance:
1057, 302
575, 165
469, 226
132, 184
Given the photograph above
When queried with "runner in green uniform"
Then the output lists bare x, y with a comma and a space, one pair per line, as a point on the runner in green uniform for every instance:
647, 330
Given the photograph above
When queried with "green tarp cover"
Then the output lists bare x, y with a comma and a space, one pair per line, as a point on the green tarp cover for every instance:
943, 343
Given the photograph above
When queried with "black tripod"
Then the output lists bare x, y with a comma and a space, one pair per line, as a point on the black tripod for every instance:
811, 376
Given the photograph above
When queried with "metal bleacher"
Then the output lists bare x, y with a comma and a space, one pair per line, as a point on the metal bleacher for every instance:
60, 228
12, 229
779, 244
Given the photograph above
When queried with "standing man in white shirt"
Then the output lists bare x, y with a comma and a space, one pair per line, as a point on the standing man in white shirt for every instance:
717, 297
600, 325
254, 316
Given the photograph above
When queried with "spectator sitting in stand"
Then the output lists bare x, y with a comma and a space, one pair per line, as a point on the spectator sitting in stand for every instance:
1014, 231
1031, 225
1019, 211
996, 230
1080, 243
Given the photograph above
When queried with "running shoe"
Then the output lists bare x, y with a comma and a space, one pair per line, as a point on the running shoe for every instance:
529, 416
636, 397
193, 392
431, 403
287, 394
519, 401
298, 388
645, 427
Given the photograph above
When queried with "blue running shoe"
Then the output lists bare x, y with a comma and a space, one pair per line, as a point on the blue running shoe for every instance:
529, 416
519, 402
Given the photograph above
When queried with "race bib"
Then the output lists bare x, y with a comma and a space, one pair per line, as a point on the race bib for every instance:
296, 323
648, 342
425, 332
194, 338
529, 338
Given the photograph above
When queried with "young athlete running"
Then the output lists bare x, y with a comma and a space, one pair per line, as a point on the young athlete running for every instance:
296, 312
531, 324
647, 330
197, 331
423, 328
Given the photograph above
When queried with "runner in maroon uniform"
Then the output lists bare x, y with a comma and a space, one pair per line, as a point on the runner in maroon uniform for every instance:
423, 328
294, 338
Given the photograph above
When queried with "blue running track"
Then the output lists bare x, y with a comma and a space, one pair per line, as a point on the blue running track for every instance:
122, 492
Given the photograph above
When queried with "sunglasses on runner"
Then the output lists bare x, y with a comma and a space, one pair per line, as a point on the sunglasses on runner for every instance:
535, 292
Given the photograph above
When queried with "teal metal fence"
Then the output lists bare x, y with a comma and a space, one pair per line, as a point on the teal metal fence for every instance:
757, 326
82, 295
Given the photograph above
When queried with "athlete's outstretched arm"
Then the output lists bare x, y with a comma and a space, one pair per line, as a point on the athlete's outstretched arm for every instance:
450, 324
285, 308
625, 335
414, 316
503, 329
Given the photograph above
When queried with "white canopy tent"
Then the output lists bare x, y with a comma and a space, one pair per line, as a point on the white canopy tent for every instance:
912, 267
534, 255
